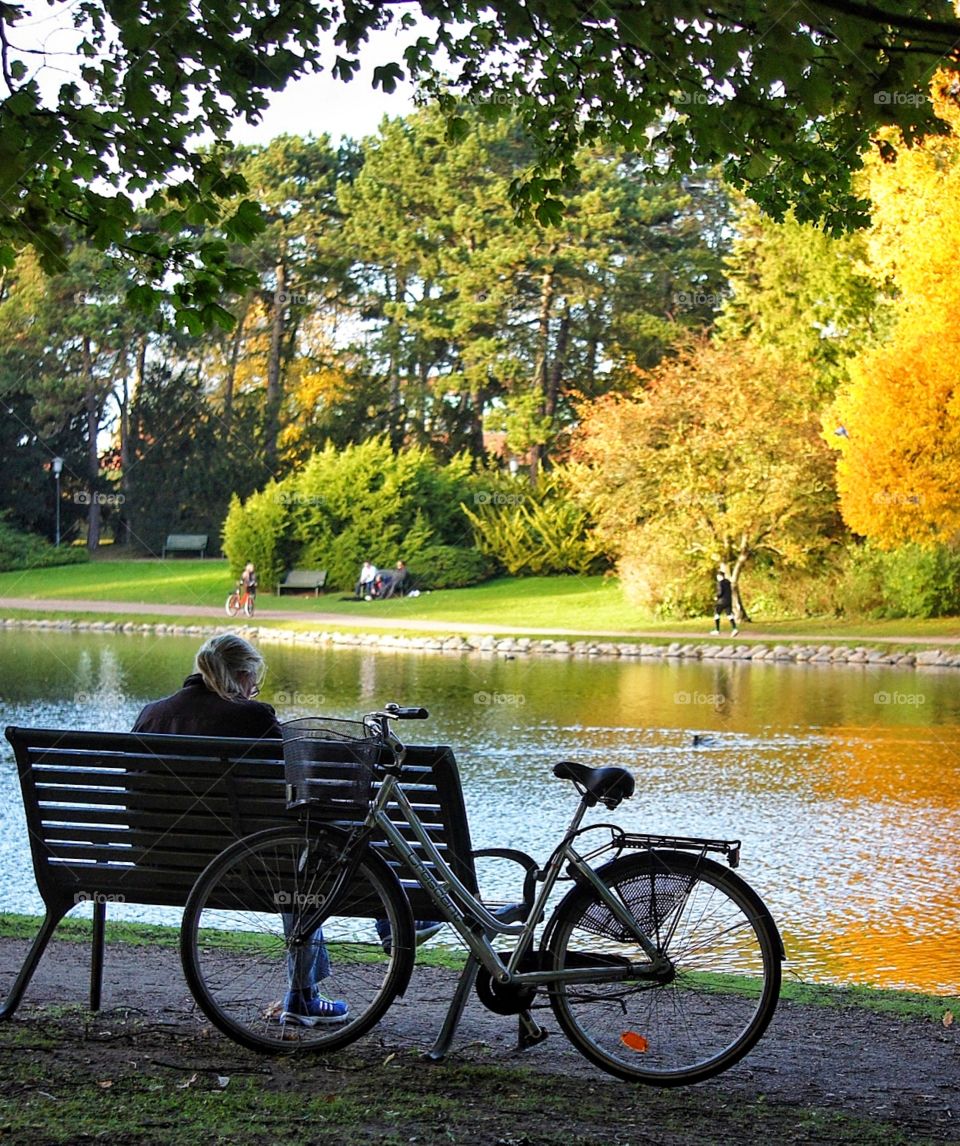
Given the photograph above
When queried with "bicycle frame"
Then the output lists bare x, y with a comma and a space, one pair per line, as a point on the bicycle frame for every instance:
472, 921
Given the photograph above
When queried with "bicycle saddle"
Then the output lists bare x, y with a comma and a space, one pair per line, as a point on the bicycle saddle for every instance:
607, 785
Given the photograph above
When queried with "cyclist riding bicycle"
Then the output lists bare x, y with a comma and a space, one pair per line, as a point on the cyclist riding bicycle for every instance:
248, 579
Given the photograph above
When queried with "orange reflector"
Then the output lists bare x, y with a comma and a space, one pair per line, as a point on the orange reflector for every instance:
634, 1041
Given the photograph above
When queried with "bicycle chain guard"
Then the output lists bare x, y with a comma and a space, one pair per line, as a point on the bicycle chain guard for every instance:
507, 998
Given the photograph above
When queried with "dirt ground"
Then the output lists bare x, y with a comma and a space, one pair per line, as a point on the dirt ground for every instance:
816, 1066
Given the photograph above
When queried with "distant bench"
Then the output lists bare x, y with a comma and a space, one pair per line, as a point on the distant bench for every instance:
185, 543
301, 579
122, 817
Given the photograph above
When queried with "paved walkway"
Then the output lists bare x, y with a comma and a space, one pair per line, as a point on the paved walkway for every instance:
339, 620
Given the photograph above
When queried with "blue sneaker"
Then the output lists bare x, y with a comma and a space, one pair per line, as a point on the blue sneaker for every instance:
312, 1010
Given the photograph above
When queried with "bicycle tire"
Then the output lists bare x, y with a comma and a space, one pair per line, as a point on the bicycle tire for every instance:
725, 951
248, 605
235, 953
232, 607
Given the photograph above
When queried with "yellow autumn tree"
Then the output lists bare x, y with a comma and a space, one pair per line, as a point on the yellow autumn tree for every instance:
897, 422
715, 458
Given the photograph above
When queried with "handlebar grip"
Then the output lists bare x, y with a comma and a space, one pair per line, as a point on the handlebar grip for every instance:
400, 713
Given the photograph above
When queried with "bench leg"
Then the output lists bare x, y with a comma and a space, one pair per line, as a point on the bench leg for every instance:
96, 954
468, 976
22, 981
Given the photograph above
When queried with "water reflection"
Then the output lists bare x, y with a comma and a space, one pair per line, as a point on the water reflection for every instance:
842, 783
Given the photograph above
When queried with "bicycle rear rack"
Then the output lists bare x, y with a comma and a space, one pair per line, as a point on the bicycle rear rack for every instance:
730, 849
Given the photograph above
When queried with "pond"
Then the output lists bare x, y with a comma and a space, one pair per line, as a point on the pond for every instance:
842, 782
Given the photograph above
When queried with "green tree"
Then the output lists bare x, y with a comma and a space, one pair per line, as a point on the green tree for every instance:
786, 101
802, 292
474, 322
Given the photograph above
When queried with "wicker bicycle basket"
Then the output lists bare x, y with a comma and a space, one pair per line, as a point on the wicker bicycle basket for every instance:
329, 765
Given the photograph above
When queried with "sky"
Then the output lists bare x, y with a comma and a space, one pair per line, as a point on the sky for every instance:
315, 104
320, 104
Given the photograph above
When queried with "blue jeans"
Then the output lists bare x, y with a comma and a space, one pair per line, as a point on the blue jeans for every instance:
307, 965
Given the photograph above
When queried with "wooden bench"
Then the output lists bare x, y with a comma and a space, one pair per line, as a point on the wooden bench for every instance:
134, 818
185, 543
301, 579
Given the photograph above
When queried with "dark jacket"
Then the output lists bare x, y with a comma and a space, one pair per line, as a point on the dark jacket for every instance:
196, 711
724, 599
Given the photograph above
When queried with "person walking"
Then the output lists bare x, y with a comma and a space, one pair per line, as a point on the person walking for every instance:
723, 604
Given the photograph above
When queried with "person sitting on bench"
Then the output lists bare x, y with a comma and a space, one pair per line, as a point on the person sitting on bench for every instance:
217, 699
367, 580
391, 581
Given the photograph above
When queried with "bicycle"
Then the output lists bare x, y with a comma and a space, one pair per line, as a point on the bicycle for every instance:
241, 600
661, 965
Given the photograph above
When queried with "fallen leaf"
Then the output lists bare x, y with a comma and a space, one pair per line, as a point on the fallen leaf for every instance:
634, 1041
223, 1081
106, 1084
948, 1018
189, 1082
390, 1058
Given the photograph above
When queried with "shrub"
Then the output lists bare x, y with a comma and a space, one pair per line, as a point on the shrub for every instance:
348, 506
257, 531
448, 567
27, 551
534, 529
653, 579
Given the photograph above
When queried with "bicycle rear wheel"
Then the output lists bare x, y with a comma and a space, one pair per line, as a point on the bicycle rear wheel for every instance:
699, 1017
232, 607
238, 960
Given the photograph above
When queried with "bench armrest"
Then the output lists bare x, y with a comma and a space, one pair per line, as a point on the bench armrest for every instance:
528, 863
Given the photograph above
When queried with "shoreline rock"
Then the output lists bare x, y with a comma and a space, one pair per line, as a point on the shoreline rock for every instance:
520, 646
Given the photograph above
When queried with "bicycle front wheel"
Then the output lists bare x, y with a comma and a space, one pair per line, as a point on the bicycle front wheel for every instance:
248, 605
232, 606
713, 1001
242, 952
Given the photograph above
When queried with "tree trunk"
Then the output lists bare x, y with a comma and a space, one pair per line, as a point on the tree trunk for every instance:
230, 381
739, 612
92, 408
124, 523
541, 365
274, 397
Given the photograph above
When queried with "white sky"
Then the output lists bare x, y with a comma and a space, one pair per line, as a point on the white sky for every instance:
316, 104
320, 104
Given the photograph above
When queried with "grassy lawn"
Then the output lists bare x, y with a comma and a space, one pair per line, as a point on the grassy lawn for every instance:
549, 604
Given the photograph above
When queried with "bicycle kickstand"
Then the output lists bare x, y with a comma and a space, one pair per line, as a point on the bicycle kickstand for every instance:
529, 1031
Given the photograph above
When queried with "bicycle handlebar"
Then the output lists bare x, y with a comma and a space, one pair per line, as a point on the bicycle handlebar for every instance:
401, 713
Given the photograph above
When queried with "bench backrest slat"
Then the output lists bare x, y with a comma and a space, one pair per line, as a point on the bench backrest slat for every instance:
137, 817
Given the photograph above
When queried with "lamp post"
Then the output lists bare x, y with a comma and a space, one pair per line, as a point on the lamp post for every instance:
57, 470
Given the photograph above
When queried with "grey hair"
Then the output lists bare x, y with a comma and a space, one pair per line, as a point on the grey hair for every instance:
223, 659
